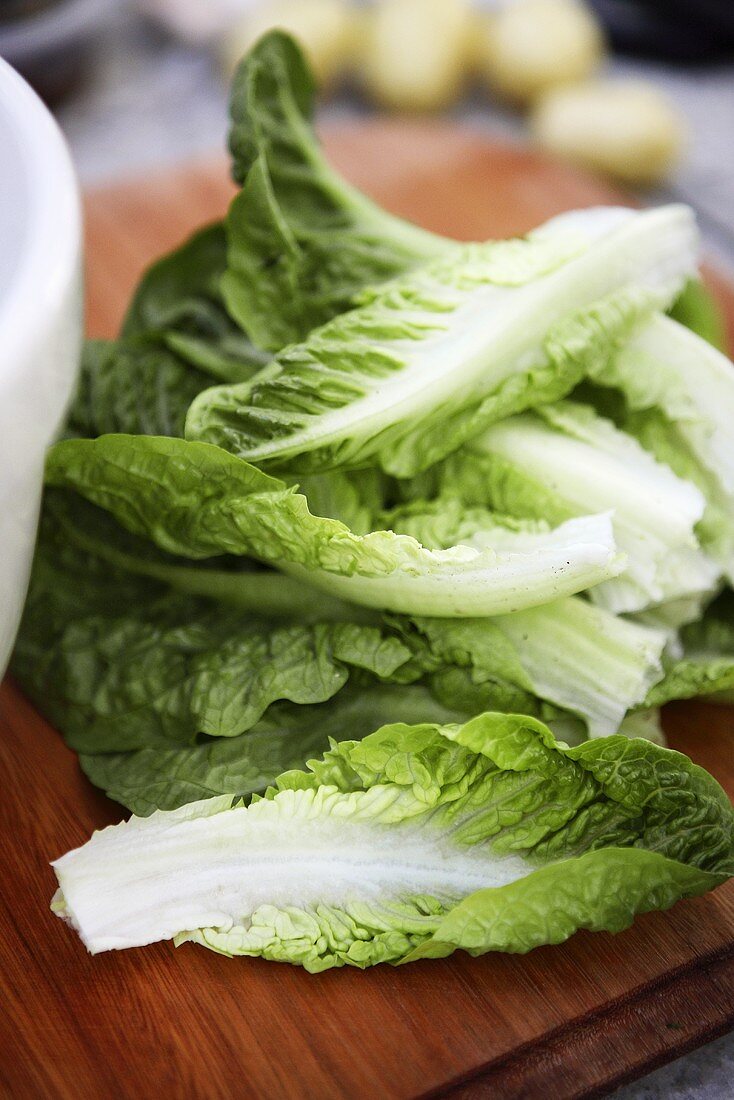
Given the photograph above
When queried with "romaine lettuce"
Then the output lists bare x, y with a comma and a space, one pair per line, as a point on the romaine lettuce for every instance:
704, 663
433, 357
177, 340
178, 304
195, 626
198, 501
297, 232
563, 460
165, 776
410, 844
568, 653
667, 368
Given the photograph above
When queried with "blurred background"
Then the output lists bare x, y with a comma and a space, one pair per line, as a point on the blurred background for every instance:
640, 91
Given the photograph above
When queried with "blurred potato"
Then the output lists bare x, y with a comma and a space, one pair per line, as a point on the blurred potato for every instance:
626, 129
533, 45
415, 53
325, 29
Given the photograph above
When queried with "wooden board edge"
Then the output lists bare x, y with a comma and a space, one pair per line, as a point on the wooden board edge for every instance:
683, 1010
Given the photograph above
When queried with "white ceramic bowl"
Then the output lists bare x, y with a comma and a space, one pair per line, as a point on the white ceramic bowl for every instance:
40, 322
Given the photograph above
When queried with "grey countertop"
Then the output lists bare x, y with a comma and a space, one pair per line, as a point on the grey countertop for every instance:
150, 101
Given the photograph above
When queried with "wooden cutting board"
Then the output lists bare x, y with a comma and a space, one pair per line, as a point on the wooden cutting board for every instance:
568, 1021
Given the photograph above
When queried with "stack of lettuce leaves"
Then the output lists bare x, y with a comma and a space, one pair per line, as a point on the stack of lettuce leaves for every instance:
366, 561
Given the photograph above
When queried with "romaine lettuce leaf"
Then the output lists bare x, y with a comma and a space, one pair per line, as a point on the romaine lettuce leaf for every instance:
165, 668
136, 386
119, 684
664, 439
410, 844
570, 654
198, 501
177, 339
697, 309
300, 234
237, 582
178, 303
164, 777
664, 366
297, 232
141, 680
563, 460
438, 354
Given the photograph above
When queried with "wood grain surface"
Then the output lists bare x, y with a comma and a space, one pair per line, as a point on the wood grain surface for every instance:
568, 1021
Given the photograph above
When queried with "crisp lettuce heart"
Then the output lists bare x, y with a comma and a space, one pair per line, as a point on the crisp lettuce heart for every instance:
412, 843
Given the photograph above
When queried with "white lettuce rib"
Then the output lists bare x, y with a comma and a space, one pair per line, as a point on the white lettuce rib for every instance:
586, 462
585, 660
209, 865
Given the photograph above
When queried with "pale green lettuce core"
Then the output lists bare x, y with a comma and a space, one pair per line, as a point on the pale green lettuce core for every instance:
479, 334
198, 501
565, 460
412, 843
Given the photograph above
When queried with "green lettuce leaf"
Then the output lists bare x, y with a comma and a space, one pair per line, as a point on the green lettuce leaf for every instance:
297, 232
198, 501
177, 339
121, 662
467, 339
138, 678
118, 668
412, 843
697, 309
164, 777
285, 274
237, 582
664, 439
177, 669
179, 304
135, 386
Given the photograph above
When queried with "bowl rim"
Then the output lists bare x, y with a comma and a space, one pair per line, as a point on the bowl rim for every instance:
52, 240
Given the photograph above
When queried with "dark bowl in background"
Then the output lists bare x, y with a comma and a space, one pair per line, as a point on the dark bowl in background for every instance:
48, 41
673, 30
